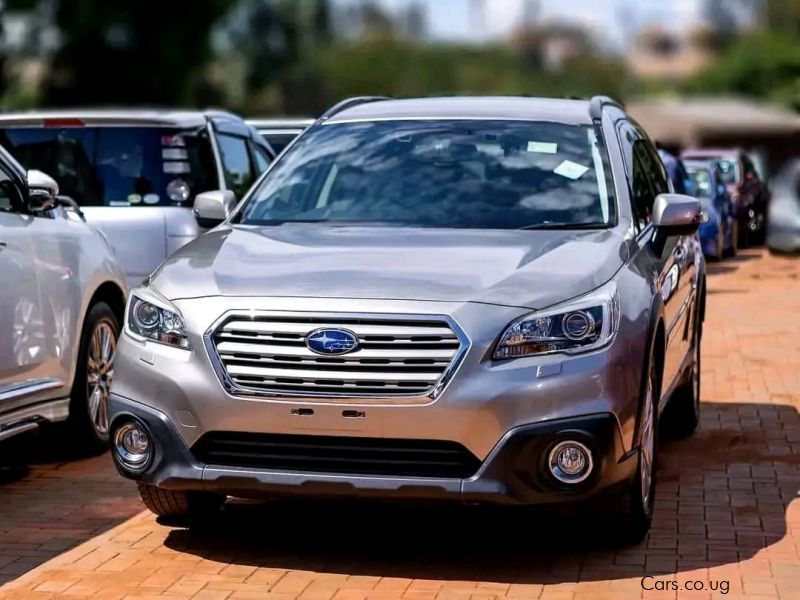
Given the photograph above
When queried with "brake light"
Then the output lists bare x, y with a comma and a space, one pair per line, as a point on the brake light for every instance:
63, 122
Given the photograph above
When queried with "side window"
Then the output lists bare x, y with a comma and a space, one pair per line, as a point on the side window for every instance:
643, 167
654, 167
235, 163
10, 195
262, 161
642, 194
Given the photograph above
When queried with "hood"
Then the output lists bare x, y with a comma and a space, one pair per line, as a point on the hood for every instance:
530, 269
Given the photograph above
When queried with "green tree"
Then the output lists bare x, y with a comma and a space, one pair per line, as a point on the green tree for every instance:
765, 65
143, 52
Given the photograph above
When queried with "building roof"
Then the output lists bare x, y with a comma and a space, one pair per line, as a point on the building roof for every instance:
469, 107
689, 121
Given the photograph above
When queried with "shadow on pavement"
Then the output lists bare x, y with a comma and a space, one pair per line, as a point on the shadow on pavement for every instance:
722, 496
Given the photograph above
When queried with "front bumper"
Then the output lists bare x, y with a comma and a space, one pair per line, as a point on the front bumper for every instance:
514, 472
486, 407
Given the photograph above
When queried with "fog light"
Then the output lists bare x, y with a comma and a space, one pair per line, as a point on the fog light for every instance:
570, 461
132, 446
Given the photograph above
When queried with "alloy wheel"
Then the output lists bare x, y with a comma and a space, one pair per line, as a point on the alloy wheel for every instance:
99, 373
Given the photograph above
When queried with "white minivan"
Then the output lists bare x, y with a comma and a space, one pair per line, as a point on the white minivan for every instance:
136, 173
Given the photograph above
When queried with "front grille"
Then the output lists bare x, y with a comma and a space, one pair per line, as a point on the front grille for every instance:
395, 357
343, 455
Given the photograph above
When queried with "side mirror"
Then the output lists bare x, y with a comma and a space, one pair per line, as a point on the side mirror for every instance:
212, 208
42, 191
674, 214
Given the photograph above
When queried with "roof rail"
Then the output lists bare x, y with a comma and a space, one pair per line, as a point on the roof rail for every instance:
597, 103
349, 103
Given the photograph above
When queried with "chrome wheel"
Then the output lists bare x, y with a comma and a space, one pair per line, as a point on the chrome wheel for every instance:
648, 440
99, 373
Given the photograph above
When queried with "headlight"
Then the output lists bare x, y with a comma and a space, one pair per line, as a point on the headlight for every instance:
578, 326
704, 216
156, 323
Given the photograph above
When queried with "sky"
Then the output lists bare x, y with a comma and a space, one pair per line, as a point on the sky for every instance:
612, 20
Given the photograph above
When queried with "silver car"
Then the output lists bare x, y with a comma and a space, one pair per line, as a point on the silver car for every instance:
61, 310
472, 299
136, 173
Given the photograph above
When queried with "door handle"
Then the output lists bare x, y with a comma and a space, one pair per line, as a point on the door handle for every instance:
3, 246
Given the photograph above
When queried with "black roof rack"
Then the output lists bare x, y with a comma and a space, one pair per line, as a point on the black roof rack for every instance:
597, 103
349, 103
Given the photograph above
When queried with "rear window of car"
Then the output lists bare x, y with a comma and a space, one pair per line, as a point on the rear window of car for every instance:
278, 140
728, 170
701, 179
118, 166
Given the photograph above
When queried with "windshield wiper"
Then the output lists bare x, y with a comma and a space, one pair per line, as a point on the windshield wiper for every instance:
566, 226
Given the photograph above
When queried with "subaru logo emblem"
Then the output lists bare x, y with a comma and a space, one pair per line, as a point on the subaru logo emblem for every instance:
332, 341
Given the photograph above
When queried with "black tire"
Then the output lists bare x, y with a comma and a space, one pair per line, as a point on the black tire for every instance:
683, 412
179, 506
100, 316
720, 244
733, 250
633, 508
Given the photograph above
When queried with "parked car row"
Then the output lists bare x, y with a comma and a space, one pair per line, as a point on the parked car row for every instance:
485, 300
747, 191
733, 196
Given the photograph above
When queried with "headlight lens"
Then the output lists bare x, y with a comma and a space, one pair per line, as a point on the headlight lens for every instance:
704, 216
155, 323
579, 326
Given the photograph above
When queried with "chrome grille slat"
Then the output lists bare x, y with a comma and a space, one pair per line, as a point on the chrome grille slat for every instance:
365, 343
229, 347
269, 384
349, 375
359, 329
265, 353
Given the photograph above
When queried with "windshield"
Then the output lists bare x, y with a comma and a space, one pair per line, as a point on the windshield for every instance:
449, 174
118, 166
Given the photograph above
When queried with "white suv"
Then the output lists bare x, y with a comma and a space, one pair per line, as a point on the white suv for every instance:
61, 304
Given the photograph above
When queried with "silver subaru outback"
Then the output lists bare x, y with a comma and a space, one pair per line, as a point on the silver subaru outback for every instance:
487, 300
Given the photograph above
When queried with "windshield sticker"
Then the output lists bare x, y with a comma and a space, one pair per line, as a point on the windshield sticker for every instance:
177, 167
134, 198
151, 198
570, 170
174, 154
543, 147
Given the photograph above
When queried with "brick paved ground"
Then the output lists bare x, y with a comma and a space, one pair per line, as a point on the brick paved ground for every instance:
727, 508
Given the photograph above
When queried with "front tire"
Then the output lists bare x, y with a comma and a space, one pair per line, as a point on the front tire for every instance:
88, 412
178, 505
734, 235
633, 508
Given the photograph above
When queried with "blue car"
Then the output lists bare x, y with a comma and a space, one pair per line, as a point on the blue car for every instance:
718, 231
